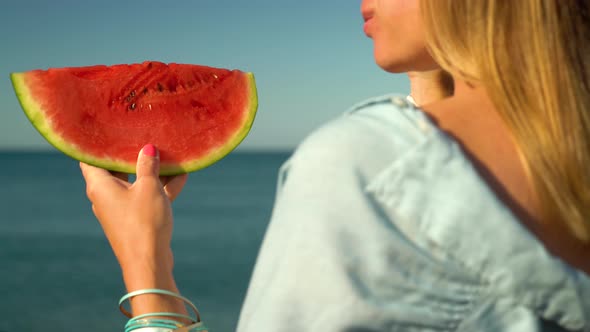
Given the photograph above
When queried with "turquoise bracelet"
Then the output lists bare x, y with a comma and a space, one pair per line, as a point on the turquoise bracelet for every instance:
151, 326
158, 327
161, 314
137, 323
194, 328
161, 292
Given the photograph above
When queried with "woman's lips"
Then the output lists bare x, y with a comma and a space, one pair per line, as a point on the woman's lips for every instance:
367, 26
367, 12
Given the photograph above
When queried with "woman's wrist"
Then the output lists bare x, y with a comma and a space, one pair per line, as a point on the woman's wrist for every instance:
149, 271
150, 275
152, 272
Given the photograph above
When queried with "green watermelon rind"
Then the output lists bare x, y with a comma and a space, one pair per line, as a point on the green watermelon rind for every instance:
34, 112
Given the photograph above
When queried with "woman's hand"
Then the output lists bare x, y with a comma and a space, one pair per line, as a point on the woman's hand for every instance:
137, 221
136, 218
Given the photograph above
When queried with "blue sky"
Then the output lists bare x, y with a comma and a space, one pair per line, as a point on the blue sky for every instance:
310, 58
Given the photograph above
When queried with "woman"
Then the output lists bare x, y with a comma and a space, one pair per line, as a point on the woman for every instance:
398, 219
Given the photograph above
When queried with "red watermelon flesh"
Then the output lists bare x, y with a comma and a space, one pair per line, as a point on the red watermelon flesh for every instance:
103, 115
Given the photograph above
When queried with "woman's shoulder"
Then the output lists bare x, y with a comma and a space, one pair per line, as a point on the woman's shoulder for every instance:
392, 116
422, 182
378, 203
368, 135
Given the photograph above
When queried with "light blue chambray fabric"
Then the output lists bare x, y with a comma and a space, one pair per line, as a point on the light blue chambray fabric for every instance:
382, 224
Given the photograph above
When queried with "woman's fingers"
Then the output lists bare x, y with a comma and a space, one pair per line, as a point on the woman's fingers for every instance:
99, 181
121, 176
164, 180
148, 162
92, 173
174, 185
94, 178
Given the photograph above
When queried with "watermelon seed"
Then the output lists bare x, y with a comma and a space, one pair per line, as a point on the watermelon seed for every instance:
150, 106
128, 99
215, 76
150, 65
132, 107
132, 94
145, 91
160, 87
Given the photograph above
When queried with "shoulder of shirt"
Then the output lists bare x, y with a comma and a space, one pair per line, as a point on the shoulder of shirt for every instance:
396, 113
367, 133
389, 116
392, 100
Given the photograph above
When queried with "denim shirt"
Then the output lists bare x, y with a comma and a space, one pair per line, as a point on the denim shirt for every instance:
381, 223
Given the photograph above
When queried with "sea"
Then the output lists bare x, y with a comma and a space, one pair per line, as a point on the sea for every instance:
58, 273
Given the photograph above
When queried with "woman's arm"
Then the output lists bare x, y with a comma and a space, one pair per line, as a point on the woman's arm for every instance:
137, 221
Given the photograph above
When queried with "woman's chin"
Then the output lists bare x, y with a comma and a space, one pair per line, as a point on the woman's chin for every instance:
399, 64
391, 65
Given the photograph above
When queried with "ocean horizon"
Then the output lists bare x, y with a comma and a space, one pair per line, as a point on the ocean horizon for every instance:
59, 273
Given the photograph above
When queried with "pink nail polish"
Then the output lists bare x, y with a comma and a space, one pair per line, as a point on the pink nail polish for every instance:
150, 150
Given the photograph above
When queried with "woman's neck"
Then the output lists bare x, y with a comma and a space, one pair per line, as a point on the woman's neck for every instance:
429, 86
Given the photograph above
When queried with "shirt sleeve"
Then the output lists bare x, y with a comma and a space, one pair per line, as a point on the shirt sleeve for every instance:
331, 260
299, 275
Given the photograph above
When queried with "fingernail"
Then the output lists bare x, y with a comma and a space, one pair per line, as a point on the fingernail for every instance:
150, 150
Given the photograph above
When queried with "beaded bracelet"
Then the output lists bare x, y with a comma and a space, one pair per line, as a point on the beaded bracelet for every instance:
161, 292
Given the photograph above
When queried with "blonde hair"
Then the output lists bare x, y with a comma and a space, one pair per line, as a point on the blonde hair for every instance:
533, 58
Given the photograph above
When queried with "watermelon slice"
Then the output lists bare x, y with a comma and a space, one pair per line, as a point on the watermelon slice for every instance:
103, 115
